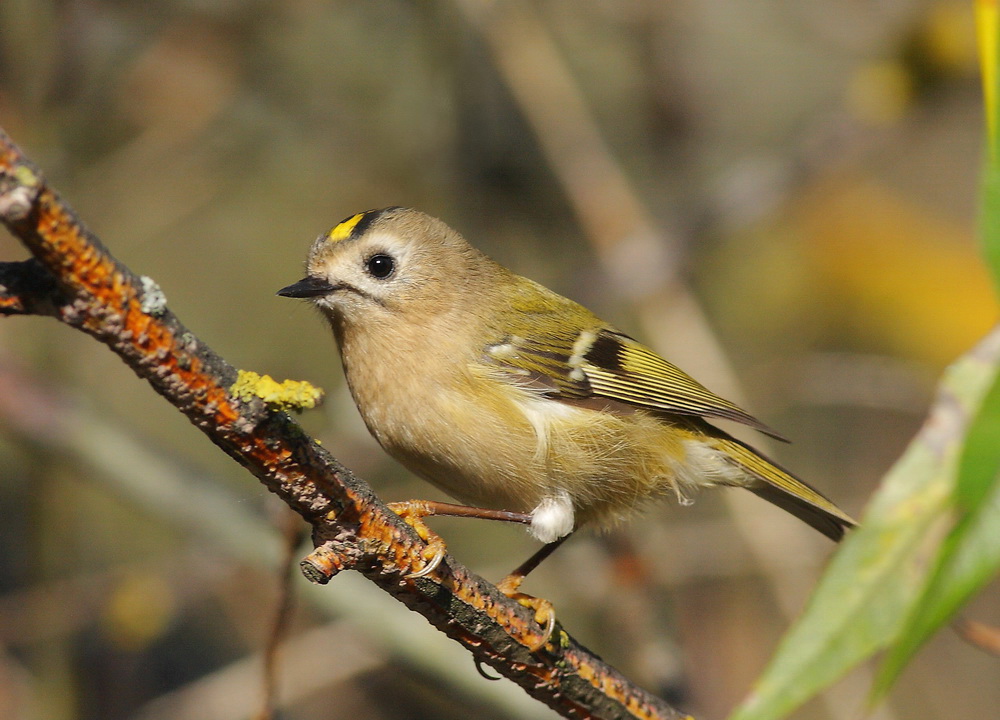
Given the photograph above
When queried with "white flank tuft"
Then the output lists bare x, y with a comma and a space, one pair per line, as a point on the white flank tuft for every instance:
553, 518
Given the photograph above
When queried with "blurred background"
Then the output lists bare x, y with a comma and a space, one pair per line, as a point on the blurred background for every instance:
780, 196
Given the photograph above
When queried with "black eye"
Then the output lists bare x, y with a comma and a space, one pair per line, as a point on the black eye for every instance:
380, 266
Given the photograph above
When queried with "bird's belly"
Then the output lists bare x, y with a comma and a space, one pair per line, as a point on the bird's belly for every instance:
513, 449
480, 456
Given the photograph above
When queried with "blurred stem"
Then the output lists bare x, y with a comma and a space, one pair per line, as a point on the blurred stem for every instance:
292, 531
987, 27
640, 257
990, 218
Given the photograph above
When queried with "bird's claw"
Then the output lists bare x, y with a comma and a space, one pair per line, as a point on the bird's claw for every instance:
545, 612
413, 512
431, 566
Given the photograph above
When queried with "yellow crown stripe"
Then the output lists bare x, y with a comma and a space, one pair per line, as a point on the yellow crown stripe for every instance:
344, 229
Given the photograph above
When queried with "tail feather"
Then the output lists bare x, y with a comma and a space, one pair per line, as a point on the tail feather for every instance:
780, 487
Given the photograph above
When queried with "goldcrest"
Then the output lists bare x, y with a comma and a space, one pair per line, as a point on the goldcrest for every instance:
508, 396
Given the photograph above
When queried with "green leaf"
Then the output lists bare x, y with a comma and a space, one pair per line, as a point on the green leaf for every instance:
989, 222
871, 585
969, 559
981, 455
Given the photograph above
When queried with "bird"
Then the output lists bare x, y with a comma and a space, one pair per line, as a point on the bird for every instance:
516, 401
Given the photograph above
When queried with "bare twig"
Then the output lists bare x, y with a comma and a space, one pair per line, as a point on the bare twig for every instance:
979, 634
352, 529
282, 617
315, 660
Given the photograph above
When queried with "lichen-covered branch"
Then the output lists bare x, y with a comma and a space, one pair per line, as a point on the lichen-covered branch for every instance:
74, 278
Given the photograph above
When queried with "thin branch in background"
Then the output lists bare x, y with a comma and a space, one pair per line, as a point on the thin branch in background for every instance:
313, 660
613, 218
292, 533
978, 634
640, 257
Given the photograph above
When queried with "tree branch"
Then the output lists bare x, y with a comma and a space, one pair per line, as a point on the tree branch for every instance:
27, 288
74, 278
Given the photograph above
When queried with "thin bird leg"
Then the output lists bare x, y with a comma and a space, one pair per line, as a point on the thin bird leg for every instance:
425, 508
413, 513
545, 613
512, 582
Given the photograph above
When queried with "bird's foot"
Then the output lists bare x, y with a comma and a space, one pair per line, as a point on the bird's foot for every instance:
545, 612
413, 512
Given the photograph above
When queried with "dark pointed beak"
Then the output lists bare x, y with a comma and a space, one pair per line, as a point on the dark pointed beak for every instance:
308, 287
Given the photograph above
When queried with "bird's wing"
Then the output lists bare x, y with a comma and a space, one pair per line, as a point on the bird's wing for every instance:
604, 363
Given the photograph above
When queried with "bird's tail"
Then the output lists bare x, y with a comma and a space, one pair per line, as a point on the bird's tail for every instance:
780, 487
